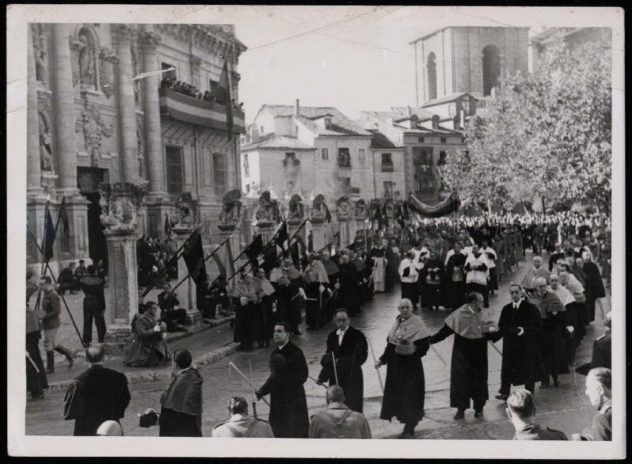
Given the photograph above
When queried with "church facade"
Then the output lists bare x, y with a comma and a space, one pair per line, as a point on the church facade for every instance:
111, 103
467, 59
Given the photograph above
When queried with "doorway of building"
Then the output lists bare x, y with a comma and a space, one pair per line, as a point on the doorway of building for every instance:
89, 180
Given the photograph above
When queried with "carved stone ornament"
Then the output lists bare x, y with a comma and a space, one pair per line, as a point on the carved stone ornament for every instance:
84, 60
297, 209
268, 210
361, 209
44, 111
231, 209
149, 40
185, 207
107, 64
40, 51
344, 208
320, 211
120, 203
94, 129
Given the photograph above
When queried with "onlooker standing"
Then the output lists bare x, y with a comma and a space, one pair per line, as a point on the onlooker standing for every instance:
97, 395
181, 414
598, 390
338, 421
50, 311
93, 287
521, 412
35, 373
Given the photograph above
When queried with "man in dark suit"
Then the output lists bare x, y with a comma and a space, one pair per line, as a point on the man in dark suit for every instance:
288, 373
97, 395
349, 348
519, 325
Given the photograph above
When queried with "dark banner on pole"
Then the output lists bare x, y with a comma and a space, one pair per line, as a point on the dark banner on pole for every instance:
193, 256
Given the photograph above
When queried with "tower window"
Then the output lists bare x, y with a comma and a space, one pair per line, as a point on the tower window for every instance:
431, 68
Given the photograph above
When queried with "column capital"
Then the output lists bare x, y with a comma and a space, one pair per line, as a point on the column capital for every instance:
149, 41
122, 34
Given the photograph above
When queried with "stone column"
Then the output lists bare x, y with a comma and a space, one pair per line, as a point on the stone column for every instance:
187, 291
63, 108
120, 204
151, 108
126, 106
34, 172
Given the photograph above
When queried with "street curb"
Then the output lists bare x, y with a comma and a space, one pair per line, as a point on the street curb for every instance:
171, 336
161, 373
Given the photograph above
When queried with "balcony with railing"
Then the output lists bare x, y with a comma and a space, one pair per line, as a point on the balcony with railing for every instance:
184, 102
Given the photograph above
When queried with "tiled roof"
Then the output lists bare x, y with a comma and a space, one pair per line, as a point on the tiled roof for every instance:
380, 140
279, 142
341, 124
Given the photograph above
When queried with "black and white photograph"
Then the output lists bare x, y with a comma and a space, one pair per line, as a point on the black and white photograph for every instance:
293, 223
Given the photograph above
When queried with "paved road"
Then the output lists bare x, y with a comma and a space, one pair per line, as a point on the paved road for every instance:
565, 408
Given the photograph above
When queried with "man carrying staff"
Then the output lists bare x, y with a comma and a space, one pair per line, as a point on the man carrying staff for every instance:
407, 342
468, 373
288, 373
349, 348
519, 326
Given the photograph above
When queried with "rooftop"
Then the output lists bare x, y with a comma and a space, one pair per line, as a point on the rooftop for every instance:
340, 124
379, 140
447, 99
277, 142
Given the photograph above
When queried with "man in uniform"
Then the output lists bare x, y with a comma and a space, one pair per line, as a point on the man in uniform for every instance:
240, 425
50, 311
349, 348
338, 421
521, 412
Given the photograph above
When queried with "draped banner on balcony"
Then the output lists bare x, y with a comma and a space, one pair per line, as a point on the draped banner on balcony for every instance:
196, 111
447, 206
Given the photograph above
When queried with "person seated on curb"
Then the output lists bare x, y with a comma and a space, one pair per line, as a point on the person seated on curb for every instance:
521, 412
598, 390
147, 345
172, 314
240, 425
67, 281
338, 421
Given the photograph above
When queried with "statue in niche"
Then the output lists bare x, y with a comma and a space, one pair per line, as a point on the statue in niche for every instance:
107, 60
87, 60
40, 52
94, 130
46, 149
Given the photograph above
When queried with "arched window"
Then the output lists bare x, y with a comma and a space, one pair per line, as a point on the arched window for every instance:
431, 68
491, 68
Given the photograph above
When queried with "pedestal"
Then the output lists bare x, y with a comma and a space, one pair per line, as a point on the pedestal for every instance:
293, 226
187, 292
122, 291
345, 238
157, 209
319, 239
266, 229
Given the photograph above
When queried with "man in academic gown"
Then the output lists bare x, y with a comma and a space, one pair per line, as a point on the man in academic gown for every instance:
97, 395
392, 264
349, 348
476, 274
181, 413
378, 255
405, 388
551, 343
519, 326
455, 276
333, 274
349, 287
245, 295
528, 282
468, 373
409, 274
288, 373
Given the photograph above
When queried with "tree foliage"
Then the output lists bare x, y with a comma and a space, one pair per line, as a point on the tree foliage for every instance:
547, 134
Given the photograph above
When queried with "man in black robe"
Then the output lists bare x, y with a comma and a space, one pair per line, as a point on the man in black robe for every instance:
288, 405
97, 395
349, 348
455, 276
349, 287
468, 372
93, 287
519, 326
405, 389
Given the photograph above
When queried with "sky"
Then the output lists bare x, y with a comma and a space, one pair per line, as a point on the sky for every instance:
354, 58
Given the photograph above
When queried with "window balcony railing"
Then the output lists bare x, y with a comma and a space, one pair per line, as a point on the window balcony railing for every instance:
188, 105
387, 167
